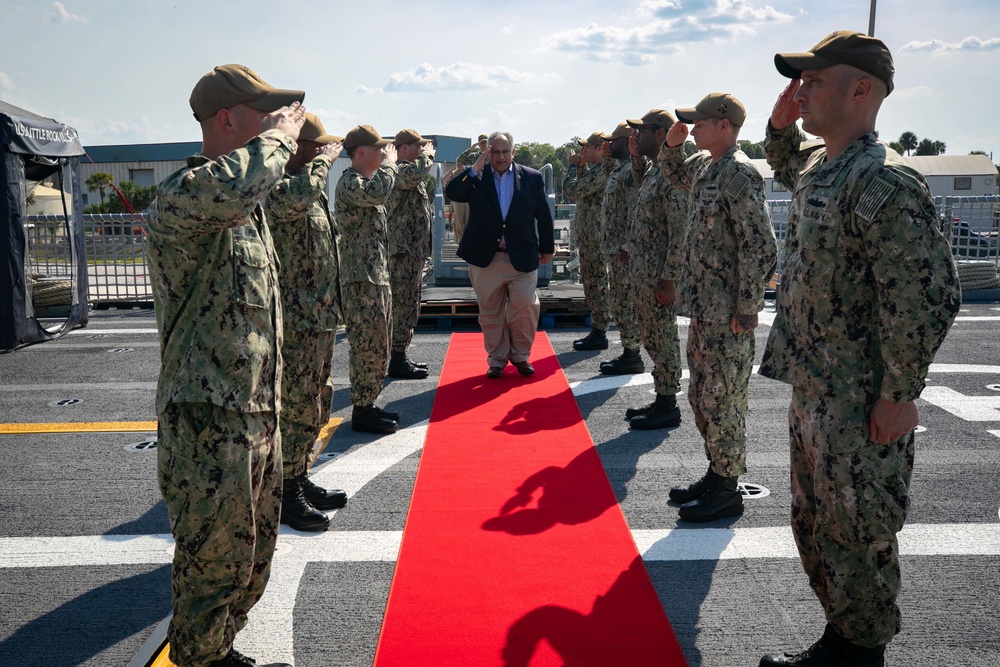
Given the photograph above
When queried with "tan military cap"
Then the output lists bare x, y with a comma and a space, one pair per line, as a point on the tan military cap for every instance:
483, 137
623, 130
655, 117
843, 47
404, 137
715, 105
364, 135
313, 130
595, 139
227, 86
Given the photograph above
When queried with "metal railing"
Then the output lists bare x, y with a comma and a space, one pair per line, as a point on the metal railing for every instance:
116, 247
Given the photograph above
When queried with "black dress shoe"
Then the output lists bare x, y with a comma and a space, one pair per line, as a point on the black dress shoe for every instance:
723, 499
297, 512
493, 372
320, 498
524, 368
369, 419
663, 414
597, 339
629, 363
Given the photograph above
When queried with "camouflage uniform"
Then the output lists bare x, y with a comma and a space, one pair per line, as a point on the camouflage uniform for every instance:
587, 189
620, 194
409, 213
730, 255
656, 253
364, 276
305, 239
460, 209
214, 277
868, 292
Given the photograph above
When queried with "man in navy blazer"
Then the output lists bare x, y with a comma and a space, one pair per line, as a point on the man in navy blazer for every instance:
508, 235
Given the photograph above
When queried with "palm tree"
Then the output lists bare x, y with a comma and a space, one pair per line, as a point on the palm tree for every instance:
99, 181
908, 141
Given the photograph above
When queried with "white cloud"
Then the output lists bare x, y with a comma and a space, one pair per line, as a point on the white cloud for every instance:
6, 83
59, 14
674, 22
533, 102
459, 76
971, 44
365, 90
333, 118
915, 93
508, 30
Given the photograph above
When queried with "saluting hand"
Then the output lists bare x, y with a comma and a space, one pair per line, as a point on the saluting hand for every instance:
331, 150
677, 134
287, 119
633, 143
786, 109
574, 158
389, 152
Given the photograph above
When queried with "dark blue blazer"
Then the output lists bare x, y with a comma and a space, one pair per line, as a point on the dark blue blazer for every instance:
486, 224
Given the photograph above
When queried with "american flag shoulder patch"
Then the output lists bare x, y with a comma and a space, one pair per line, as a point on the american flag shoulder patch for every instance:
874, 198
738, 184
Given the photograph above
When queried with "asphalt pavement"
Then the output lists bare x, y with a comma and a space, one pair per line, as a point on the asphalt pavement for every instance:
85, 549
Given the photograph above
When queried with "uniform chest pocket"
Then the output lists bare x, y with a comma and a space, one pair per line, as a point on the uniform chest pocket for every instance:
818, 229
250, 271
708, 208
319, 236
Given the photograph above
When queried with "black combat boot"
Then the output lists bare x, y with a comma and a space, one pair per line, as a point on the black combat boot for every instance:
597, 339
320, 498
297, 512
722, 499
402, 368
696, 490
629, 363
369, 419
831, 650
641, 410
664, 414
236, 659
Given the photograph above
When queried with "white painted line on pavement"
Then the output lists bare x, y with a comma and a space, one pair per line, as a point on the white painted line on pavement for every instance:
969, 408
91, 332
996, 433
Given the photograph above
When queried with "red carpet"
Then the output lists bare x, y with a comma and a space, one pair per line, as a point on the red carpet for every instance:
515, 551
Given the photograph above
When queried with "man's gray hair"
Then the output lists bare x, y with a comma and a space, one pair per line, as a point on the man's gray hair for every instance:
505, 135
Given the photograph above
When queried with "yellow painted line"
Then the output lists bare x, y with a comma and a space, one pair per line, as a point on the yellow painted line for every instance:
323, 439
162, 659
79, 427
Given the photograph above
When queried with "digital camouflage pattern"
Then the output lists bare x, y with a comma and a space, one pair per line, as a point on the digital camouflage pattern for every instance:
305, 238
869, 288
720, 363
850, 498
367, 308
729, 256
469, 156
409, 209
220, 475
213, 271
620, 193
359, 205
409, 245
586, 188
214, 278
730, 252
364, 276
868, 292
655, 243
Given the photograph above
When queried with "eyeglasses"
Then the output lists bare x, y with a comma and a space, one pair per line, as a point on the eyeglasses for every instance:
504, 152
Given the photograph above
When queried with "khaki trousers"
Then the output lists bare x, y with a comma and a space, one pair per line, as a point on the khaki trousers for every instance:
508, 309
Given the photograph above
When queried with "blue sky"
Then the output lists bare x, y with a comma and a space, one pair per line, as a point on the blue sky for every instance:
121, 72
